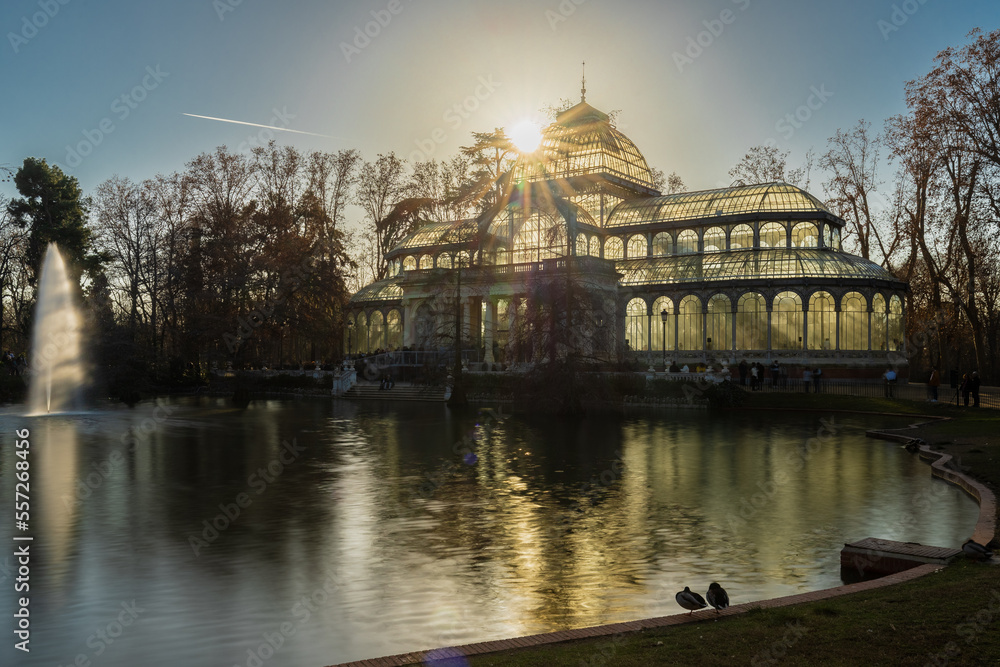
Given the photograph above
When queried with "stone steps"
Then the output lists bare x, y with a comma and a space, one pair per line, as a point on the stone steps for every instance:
371, 392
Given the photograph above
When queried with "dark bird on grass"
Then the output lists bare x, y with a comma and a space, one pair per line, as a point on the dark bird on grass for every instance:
717, 597
690, 600
976, 551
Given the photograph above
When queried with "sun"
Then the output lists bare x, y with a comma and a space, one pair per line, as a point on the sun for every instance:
526, 135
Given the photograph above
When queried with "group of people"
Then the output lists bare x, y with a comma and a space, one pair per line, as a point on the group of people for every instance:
756, 373
15, 365
387, 382
968, 386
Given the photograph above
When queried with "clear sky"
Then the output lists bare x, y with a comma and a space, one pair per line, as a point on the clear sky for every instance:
697, 83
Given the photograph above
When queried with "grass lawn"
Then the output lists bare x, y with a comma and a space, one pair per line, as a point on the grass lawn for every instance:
948, 618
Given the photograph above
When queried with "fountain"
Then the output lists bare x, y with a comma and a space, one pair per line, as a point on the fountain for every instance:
57, 368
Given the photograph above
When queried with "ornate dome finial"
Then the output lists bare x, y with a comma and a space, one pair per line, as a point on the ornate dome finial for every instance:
583, 88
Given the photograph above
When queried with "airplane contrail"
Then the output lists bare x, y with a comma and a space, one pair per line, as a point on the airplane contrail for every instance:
269, 127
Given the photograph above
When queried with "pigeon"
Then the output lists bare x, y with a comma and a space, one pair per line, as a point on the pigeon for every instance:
690, 600
976, 551
717, 597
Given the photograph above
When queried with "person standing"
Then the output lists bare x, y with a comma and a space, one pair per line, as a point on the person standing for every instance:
933, 383
753, 377
890, 382
965, 387
743, 373
817, 373
807, 378
974, 388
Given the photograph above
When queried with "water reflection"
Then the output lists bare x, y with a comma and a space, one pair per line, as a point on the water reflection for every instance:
338, 532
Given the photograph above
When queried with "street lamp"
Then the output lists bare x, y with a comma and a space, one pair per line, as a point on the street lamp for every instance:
350, 330
663, 318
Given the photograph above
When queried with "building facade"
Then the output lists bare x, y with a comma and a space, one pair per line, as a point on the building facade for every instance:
583, 255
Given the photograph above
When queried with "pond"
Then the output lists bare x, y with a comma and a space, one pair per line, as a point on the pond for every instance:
192, 532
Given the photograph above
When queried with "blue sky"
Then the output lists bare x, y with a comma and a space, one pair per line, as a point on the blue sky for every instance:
697, 83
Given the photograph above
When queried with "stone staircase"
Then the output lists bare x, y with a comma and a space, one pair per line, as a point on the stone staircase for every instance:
364, 391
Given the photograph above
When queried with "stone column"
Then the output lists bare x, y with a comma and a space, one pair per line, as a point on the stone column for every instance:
489, 334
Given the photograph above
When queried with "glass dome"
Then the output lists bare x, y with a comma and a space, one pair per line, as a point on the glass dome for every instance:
763, 199
804, 263
438, 235
583, 142
383, 290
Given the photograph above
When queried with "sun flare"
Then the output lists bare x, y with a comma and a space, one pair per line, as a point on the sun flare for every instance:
526, 135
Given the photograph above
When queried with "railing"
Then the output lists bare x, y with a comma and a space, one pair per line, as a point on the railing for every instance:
418, 358
989, 397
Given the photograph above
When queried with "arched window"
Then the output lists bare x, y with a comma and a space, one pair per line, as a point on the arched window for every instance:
540, 237
426, 262
581, 245
613, 248
689, 324
502, 257
836, 238
822, 318
827, 235
714, 239
463, 259
595, 246
444, 261
361, 334
751, 322
895, 323
720, 323
805, 235
659, 331
880, 324
376, 332
394, 330
741, 238
773, 235
663, 245
687, 243
636, 318
786, 322
853, 322
410, 263
636, 246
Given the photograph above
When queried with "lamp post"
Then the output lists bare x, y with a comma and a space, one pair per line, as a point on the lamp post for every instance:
663, 318
350, 330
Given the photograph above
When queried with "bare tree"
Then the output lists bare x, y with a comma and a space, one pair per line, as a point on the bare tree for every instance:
381, 186
852, 161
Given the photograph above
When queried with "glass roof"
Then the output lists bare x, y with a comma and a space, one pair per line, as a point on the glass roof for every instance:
743, 200
750, 265
437, 234
383, 290
583, 141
